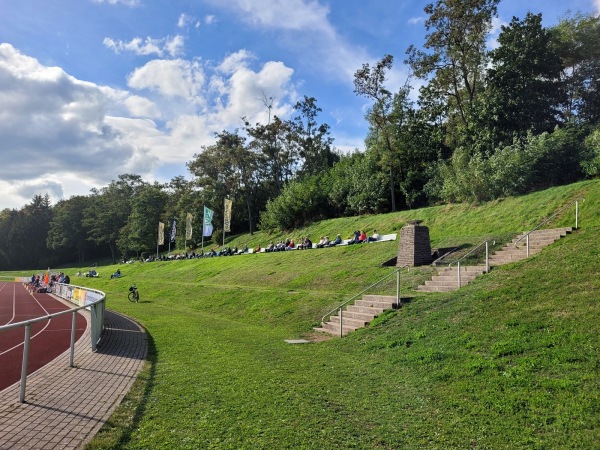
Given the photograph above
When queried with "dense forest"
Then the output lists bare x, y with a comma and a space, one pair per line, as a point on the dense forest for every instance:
486, 124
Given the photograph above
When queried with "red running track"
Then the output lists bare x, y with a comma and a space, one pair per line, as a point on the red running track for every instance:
49, 338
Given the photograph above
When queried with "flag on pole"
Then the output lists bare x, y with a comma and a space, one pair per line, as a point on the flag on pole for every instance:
188, 226
207, 228
161, 233
173, 230
227, 215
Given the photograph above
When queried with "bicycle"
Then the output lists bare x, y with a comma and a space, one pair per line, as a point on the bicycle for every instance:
134, 295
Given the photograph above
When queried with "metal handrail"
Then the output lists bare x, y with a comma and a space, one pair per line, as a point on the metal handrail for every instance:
471, 251
395, 272
545, 221
451, 252
97, 311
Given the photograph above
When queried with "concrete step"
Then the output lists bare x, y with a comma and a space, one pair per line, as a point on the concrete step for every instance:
349, 322
365, 309
366, 316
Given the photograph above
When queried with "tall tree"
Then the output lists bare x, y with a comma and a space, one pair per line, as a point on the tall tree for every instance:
109, 210
455, 60
67, 232
370, 82
313, 138
576, 39
523, 85
147, 206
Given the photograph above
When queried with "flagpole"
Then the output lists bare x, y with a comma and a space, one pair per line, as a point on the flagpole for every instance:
203, 219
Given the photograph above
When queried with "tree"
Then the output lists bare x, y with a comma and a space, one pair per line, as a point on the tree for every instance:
523, 85
455, 65
140, 232
227, 169
313, 139
369, 82
109, 211
576, 39
66, 231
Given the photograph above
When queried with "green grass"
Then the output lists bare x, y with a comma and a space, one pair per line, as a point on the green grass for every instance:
510, 361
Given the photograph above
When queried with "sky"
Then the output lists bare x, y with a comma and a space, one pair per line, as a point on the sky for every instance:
91, 89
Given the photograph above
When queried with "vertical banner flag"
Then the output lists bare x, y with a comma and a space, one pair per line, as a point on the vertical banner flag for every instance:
227, 215
161, 233
173, 230
188, 226
207, 228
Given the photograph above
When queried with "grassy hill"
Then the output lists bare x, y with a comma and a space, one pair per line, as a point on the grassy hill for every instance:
510, 361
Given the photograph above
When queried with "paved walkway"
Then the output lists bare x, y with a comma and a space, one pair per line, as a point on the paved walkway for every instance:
65, 407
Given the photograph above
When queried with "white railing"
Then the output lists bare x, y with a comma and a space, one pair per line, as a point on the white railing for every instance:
85, 298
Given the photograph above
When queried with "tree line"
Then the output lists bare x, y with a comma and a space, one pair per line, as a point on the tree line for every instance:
485, 124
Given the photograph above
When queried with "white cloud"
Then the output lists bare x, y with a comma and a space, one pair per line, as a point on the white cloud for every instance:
209, 19
597, 6
281, 14
416, 20
172, 46
142, 107
130, 3
170, 78
64, 136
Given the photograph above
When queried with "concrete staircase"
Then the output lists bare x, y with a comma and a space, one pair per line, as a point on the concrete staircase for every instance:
365, 310
447, 278
358, 315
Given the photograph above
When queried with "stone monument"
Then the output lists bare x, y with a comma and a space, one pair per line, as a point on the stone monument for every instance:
414, 248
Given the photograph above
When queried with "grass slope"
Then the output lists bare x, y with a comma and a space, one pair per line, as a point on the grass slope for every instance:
510, 361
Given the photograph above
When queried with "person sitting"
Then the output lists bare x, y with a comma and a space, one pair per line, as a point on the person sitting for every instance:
270, 248
373, 238
362, 237
355, 239
290, 245
117, 274
257, 249
306, 244
67, 279
336, 241
321, 242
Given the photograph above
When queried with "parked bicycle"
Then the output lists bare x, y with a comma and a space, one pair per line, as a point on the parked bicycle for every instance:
134, 295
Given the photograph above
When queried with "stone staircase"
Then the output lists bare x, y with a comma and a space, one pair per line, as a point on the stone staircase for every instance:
447, 278
358, 315
365, 310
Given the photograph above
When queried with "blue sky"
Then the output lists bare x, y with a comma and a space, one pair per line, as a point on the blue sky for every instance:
90, 89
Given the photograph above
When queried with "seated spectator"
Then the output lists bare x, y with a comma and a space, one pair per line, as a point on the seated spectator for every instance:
117, 274
257, 249
362, 237
355, 239
290, 245
270, 247
321, 242
336, 241
373, 238
306, 244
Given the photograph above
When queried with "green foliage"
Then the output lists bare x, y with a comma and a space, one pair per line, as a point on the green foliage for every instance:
591, 165
299, 202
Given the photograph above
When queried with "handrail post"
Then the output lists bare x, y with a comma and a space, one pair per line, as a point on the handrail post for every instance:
487, 257
458, 267
341, 321
576, 212
72, 347
24, 364
398, 288
528, 245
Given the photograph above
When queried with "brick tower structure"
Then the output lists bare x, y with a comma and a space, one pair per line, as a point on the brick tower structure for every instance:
414, 248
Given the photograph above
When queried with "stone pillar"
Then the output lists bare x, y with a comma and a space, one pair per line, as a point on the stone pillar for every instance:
414, 248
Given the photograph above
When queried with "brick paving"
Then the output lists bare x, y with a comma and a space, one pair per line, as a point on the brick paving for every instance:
65, 407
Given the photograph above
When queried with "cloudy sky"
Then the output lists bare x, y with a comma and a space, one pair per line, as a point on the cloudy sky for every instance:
90, 89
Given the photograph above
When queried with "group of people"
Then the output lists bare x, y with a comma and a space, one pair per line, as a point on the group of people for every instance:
44, 284
360, 237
